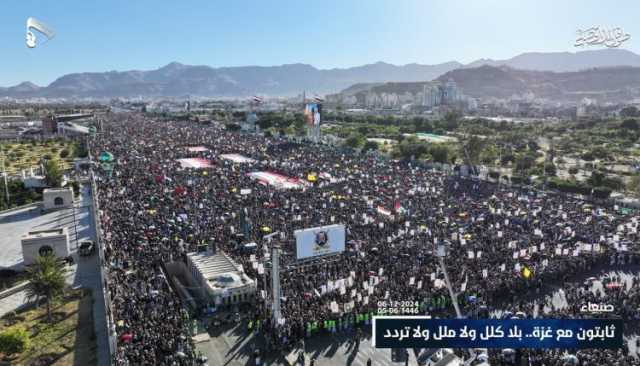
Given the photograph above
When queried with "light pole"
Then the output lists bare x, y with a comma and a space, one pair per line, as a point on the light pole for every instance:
75, 220
441, 252
4, 173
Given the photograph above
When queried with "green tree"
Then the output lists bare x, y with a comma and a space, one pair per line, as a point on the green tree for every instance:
364, 130
473, 147
630, 124
489, 155
233, 127
52, 173
14, 340
451, 120
600, 179
299, 127
46, 279
264, 123
630, 111
354, 141
634, 185
440, 153
524, 161
370, 145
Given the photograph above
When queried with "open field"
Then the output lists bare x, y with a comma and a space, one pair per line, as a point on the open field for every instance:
24, 155
69, 340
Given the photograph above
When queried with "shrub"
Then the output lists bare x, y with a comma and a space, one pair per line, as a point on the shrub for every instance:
519, 180
14, 340
233, 127
370, 145
601, 192
64, 153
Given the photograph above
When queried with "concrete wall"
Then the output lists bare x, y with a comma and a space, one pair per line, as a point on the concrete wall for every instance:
31, 247
53, 199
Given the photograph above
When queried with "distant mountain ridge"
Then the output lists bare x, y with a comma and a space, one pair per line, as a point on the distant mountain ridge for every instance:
605, 84
180, 80
565, 61
176, 79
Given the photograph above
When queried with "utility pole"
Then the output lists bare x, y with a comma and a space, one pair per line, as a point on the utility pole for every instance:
441, 253
6, 184
75, 220
275, 282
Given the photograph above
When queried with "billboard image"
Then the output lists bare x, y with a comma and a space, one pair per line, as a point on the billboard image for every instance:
318, 241
312, 113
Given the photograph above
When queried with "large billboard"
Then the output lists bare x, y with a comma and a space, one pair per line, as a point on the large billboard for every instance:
313, 114
318, 241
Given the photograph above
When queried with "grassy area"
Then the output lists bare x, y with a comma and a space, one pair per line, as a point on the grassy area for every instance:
69, 340
26, 154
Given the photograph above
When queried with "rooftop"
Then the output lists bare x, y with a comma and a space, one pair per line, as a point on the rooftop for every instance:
44, 233
56, 190
219, 270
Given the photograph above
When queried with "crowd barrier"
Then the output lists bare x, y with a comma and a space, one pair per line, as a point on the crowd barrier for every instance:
104, 278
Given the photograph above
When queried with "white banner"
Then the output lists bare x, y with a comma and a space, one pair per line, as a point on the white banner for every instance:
319, 241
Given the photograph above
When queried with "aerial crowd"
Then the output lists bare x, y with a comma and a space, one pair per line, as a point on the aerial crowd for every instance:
506, 248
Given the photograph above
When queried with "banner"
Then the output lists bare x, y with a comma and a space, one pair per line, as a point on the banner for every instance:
313, 114
424, 332
318, 241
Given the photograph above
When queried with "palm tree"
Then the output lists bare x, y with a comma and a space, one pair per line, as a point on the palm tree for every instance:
46, 279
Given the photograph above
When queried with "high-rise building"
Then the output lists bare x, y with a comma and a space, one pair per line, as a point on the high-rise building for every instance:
450, 92
49, 125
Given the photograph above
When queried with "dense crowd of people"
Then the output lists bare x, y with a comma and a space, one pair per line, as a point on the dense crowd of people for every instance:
502, 243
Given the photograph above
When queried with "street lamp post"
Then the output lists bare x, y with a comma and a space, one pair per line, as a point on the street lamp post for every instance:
441, 253
75, 222
6, 185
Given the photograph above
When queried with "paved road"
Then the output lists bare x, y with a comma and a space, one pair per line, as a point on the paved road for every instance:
233, 347
84, 271
10, 303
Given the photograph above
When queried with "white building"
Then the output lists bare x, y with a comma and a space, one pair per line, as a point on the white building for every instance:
32, 180
220, 280
44, 242
57, 198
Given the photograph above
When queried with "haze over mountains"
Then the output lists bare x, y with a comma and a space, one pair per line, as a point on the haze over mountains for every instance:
180, 80
604, 84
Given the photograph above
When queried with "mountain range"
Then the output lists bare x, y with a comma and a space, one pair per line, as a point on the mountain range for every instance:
604, 84
181, 80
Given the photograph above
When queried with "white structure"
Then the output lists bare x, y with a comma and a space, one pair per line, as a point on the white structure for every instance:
56, 198
43, 242
32, 180
317, 241
219, 279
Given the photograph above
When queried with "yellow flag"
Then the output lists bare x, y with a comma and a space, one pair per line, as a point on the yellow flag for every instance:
526, 272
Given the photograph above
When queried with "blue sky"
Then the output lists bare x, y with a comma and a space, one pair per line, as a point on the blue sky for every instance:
103, 35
